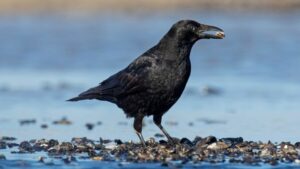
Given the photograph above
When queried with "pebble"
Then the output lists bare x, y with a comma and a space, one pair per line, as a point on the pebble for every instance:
63, 121
44, 126
3, 145
231, 141
209, 90
118, 141
6, 138
25, 146
218, 146
159, 135
2, 157
27, 121
186, 141
89, 126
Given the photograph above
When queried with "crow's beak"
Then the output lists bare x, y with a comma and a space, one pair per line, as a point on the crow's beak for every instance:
211, 32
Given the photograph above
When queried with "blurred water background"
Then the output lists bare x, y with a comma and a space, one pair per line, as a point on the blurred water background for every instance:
244, 85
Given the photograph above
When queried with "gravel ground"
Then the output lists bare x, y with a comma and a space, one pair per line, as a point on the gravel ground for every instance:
208, 149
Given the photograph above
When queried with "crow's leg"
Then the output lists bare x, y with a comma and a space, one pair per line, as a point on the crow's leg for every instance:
138, 124
157, 121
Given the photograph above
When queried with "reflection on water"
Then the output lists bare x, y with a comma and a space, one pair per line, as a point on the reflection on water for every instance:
46, 60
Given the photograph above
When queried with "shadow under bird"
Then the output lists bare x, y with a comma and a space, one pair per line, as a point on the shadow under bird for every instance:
154, 81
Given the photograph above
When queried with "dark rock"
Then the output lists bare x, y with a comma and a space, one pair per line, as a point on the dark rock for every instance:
191, 124
5, 138
186, 141
41, 159
99, 123
11, 145
89, 126
158, 135
297, 145
27, 121
2, 157
3, 145
164, 142
104, 141
118, 141
196, 140
44, 126
25, 146
52, 143
209, 90
232, 141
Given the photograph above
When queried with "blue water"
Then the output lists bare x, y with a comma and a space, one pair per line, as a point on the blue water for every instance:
45, 60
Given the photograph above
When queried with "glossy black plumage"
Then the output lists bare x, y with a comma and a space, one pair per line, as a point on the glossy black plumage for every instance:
154, 81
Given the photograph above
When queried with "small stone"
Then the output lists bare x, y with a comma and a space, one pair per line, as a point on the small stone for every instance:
27, 121
209, 90
25, 146
11, 145
186, 141
191, 124
217, 146
44, 126
164, 142
89, 126
232, 141
158, 135
41, 159
63, 121
5, 138
104, 141
151, 141
297, 145
3, 145
2, 157
118, 141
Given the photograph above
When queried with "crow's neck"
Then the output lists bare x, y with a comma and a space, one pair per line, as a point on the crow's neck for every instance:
173, 49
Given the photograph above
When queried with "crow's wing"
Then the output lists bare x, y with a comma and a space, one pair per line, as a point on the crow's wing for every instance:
128, 81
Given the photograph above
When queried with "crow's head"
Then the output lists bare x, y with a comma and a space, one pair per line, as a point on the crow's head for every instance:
191, 31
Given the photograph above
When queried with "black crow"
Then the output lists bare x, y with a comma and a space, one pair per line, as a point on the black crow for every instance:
154, 81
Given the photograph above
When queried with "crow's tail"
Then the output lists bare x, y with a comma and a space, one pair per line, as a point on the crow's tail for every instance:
93, 93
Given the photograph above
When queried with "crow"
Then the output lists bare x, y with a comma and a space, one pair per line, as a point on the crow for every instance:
154, 81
